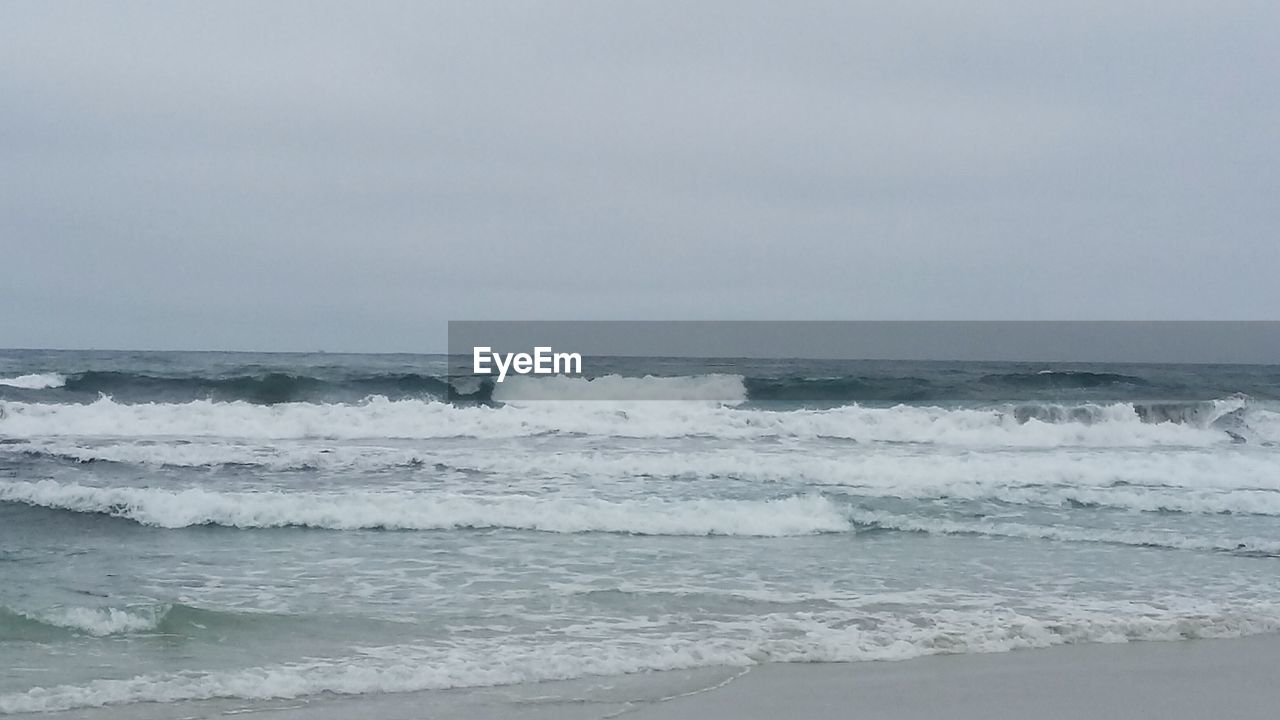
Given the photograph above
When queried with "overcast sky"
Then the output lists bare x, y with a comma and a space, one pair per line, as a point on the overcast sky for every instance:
348, 176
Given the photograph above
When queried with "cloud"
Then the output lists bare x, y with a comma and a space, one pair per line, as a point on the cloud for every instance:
305, 175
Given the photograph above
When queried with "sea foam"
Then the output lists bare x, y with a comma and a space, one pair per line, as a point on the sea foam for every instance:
353, 510
35, 381
777, 638
1195, 480
1117, 425
99, 622
1168, 539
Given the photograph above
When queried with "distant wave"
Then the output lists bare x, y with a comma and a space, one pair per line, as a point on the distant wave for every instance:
844, 389
908, 389
1063, 379
799, 515
347, 386
718, 388
1046, 425
35, 381
268, 388
278, 387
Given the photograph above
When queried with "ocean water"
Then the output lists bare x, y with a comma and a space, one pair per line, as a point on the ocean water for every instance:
248, 528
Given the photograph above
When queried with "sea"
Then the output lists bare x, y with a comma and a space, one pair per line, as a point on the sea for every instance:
203, 534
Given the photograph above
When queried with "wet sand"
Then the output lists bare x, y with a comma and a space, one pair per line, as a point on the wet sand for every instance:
1188, 680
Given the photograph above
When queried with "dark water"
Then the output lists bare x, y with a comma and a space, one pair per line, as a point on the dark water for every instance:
132, 377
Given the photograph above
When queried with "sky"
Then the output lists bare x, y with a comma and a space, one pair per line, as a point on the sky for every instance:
350, 176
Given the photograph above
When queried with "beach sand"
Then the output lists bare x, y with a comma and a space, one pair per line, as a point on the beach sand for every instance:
1168, 680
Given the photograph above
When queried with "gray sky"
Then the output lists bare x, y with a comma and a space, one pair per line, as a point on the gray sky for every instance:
348, 176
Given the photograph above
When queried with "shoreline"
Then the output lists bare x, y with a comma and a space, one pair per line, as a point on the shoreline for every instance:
1230, 678
1170, 680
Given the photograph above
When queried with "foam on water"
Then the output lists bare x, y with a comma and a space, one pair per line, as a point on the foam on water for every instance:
98, 622
776, 638
35, 381
787, 516
1119, 425
353, 510
1194, 481
998, 528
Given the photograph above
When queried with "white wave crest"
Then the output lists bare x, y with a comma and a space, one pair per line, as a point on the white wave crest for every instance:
101, 622
797, 515
418, 419
35, 381
1204, 481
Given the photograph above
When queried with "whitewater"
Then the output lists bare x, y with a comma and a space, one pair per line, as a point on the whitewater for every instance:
242, 529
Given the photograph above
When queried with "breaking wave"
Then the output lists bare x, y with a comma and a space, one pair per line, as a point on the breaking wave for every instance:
1197, 481
789, 516
98, 622
35, 381
1120, 424
171, 619
775, 638
355, 510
